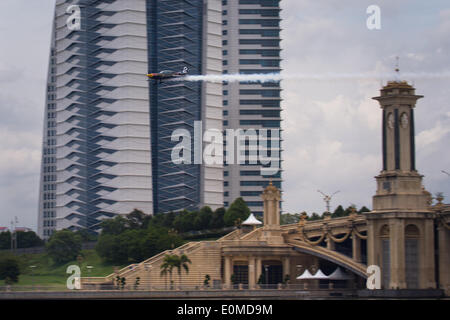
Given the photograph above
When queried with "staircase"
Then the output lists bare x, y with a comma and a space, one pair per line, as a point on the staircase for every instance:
205, 256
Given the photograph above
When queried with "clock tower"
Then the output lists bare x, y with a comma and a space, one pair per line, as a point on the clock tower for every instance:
400, 227
399, 185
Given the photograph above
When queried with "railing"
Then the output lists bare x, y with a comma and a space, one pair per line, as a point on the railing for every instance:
310, 286
187, 247
249, 243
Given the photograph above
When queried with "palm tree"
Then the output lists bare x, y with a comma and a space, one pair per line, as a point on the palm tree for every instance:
167, 266
181, 262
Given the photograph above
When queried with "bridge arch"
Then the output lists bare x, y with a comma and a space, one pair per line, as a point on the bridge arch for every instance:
329, 255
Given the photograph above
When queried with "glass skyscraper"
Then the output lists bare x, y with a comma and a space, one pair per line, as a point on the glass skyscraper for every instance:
107, 131
251, 45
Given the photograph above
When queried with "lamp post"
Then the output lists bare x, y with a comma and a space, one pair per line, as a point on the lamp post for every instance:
32, 275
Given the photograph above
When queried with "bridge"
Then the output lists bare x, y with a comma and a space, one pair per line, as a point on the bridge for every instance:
405, 235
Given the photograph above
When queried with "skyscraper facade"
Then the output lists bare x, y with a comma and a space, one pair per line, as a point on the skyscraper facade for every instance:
107, 131
251, 45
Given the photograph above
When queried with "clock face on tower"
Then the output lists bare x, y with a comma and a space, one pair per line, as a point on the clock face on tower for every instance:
404, 120
390, 121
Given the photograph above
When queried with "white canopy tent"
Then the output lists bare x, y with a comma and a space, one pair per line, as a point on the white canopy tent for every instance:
251, 221
320, 275
305, 276
338, 274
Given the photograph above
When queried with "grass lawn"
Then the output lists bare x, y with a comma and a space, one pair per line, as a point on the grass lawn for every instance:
47, 273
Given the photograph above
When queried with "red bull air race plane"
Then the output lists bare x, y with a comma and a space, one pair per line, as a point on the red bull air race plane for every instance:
167, 74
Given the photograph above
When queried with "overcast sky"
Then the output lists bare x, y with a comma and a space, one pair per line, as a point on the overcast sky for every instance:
332, 129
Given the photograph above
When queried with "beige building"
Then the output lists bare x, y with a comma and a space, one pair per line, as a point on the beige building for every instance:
405, 235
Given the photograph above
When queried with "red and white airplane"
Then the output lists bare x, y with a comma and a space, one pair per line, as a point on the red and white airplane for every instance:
167, 74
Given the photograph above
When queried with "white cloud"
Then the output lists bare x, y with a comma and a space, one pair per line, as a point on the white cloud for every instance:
332, 137
432, 135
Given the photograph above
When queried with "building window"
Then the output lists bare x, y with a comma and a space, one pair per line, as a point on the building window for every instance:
254, 203
261, 32
225, 52
250, 173
262, 3
250, 193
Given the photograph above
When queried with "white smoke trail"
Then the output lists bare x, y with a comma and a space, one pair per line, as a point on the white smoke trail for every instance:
274, 77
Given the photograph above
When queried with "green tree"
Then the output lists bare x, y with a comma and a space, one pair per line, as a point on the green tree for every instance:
5, 240
114, 226
136, 219
363, 209
9, 270
131, 245
87, 235
185, 221
181, 262
237, 210
349, 210
168, 220
63, 246
112, 248
288, 218
201, 221
216, 220
28, 239
169, 262
338, 212
206, 281
314, 216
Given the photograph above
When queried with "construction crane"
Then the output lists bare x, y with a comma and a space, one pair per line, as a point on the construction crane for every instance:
327, 198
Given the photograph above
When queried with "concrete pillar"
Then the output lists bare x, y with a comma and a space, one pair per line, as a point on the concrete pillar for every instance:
252, 273
371, 241
397, 243
428, 255
258, 268
444, 259
356, 248
286, 267
330, 243
227, 273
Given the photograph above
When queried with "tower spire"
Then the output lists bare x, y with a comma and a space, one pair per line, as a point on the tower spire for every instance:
397, 69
